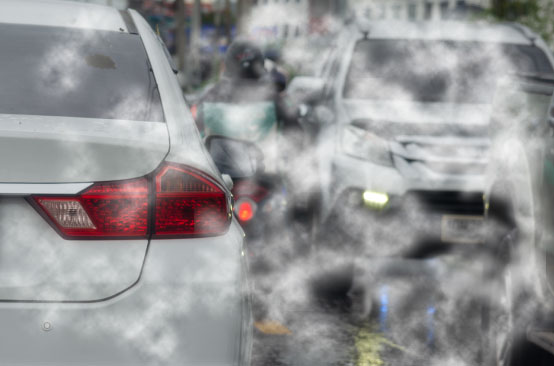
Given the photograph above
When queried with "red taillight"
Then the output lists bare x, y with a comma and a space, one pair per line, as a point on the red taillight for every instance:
115, 209
187, 203
245, 209
194, 111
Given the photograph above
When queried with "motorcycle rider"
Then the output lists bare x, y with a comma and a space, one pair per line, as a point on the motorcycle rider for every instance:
245, 81
249, 103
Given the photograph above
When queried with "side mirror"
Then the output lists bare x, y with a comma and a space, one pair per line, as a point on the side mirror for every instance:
317, 116
324, 115
303, 110
304, 89
236, 158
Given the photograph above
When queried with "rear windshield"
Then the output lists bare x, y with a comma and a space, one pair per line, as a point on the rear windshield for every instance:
53, 71
436, 71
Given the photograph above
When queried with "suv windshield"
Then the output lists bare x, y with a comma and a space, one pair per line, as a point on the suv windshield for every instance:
436, 71
53, 71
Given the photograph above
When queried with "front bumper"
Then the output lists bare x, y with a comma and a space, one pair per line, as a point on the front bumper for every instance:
190, 307
409, 222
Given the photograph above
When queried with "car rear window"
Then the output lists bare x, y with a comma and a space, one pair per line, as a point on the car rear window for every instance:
435, 70
70, 72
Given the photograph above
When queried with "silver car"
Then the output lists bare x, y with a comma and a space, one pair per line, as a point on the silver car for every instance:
117, 242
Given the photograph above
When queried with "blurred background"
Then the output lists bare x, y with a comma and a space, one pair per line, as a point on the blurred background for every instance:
197, 32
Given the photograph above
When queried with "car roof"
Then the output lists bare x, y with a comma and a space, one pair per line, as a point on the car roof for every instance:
448, 30
58, 13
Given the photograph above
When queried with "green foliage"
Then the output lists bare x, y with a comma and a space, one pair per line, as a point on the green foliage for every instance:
513, 10
538, 15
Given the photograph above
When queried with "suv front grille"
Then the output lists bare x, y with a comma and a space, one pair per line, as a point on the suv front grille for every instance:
451, 202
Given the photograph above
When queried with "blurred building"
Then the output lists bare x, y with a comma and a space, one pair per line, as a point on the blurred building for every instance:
283, 19
418, 9
278, 19
119, 4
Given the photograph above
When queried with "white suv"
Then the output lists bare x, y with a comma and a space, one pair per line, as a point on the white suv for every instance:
402, 111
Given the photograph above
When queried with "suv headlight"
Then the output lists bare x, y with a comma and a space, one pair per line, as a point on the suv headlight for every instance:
363, 144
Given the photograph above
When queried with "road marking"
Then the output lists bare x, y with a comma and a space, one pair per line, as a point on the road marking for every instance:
369, 345
272, 327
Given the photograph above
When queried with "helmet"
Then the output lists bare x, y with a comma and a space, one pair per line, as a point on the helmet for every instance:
244, 60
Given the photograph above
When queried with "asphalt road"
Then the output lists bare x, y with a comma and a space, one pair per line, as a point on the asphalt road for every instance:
328, 336
328, 326
305, 316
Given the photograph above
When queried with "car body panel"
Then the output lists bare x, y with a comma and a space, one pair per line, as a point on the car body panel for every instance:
522, 153
43, 149
185, 310
448, 30
36, 264
417, 112
23, 189
186, 143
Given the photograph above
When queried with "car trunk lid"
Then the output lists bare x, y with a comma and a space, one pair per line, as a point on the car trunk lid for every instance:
63, 156
46, 149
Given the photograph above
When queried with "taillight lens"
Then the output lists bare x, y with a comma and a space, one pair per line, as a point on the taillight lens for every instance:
114, 209
186, 203
189, 203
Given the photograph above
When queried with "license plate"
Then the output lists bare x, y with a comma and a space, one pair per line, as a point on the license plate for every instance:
462, 229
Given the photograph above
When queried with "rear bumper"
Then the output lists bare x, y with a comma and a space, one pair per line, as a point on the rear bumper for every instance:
190, 307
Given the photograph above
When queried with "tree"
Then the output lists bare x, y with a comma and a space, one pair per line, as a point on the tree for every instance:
180, 36
538, 15
194, 54
243, 11
228, 20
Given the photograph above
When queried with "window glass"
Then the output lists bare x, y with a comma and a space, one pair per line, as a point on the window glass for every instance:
54, 71
436, 71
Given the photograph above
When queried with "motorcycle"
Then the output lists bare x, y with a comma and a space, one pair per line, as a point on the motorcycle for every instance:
260, 197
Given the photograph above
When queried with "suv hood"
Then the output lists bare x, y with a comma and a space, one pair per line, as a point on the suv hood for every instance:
417, 112
430, 142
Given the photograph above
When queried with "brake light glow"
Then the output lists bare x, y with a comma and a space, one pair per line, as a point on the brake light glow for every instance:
182, 203
245, 210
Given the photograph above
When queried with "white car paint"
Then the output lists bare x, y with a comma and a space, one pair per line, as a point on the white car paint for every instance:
111, 302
